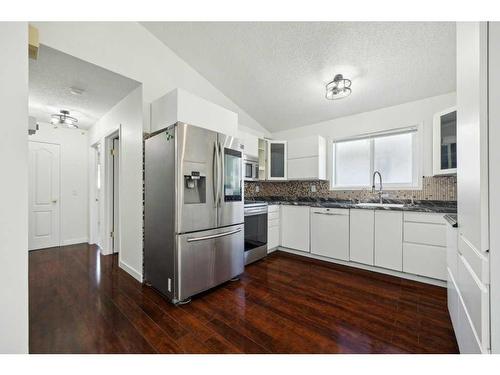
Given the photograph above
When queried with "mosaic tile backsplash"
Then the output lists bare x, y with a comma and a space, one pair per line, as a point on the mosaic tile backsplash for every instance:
440, 188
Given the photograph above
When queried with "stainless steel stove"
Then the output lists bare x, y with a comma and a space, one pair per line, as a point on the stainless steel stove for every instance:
255, 231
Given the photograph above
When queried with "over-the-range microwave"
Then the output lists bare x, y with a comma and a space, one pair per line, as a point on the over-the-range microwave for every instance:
251, 168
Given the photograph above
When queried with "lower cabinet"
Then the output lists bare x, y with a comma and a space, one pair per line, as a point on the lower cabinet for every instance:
425, 260
361, 236
330, 232
410, 242
389, 240
295, 227
424, 246
468, 294
273, 238
273, 227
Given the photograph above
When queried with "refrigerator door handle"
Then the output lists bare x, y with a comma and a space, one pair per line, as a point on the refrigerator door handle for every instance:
215, 171
193, 239
221, 176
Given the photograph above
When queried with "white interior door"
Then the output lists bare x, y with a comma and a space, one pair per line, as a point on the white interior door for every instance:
44, 200
116, 189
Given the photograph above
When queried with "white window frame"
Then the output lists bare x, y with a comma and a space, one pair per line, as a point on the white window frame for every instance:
417, 159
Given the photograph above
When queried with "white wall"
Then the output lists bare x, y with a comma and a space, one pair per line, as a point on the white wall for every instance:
129, 49
126, 117
74, 179
14, 187
412, 113
180, 105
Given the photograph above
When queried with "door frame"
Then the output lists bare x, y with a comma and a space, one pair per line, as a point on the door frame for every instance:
106, 202
115, 211
59, 198
95, 199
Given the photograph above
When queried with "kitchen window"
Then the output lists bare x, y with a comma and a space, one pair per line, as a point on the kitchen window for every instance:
394, 154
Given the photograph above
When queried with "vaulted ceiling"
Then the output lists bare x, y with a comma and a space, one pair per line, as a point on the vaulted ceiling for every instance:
277, 71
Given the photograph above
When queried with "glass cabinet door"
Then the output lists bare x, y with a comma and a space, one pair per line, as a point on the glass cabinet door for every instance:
445, 142
277, 160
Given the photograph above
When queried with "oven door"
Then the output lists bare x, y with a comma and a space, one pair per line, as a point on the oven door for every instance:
255, 237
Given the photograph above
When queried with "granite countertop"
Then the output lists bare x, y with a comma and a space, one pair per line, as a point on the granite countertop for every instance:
452, 219
448, 207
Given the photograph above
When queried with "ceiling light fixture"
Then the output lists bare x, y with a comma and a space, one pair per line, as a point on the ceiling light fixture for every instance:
64, 118
339, 88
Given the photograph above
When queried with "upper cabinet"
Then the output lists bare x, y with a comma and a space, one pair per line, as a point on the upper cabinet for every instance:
251, 143
262, 150
307, 158
277, 160
445, 142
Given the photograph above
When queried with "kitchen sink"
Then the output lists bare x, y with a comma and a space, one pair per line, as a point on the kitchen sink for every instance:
389, 205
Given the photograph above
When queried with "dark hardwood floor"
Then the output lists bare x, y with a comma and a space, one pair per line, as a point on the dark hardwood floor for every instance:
81, 302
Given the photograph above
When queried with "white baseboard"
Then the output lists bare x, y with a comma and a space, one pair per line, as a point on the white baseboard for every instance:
105, 251
403, 275
131, 271
73, 241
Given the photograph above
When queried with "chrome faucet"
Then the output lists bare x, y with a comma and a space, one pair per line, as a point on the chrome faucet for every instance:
373, 185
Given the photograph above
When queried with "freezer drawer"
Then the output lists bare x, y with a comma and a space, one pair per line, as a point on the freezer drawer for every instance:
208, 258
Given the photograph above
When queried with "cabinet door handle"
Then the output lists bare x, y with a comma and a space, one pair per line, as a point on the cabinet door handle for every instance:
330, 214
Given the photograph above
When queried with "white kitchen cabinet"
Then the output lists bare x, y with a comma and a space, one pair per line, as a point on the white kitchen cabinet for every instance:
425, 233
295, 227
307, 158
467, 340
452, 250
262, 151
277, 160
475, 296
330, 232
250, 142
389, 240
424, 244
424, 260
361, 236
273, 228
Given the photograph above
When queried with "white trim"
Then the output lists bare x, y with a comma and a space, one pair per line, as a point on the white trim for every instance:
403, 275
74, 241
107, 241
377, 134
130, 270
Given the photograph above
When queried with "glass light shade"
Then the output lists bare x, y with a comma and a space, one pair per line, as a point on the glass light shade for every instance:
338, 88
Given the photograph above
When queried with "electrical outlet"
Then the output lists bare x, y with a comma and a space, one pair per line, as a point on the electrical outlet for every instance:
257, 189
313, 189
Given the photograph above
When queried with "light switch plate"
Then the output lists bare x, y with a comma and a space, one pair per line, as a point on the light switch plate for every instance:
313, 189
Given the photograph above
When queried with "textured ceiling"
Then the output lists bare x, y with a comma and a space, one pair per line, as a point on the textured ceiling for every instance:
277, 71
53, 74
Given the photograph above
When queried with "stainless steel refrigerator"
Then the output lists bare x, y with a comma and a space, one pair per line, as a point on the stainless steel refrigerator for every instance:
193, 219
